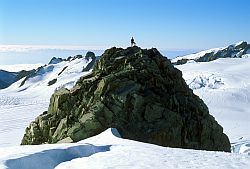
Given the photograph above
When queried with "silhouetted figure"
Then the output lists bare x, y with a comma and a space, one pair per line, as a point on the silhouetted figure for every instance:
133, 42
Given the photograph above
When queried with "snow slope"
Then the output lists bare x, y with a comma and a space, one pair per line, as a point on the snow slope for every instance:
224, 85
21, 105
107, 150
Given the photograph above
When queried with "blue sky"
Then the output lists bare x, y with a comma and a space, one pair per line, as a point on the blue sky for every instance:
165, 24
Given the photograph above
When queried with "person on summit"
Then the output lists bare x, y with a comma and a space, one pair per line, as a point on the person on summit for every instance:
133, 42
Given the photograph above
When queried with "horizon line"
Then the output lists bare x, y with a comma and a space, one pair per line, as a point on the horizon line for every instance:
24, 48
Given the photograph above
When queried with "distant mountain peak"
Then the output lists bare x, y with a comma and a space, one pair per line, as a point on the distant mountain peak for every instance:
43, 70
55, 60
59, 64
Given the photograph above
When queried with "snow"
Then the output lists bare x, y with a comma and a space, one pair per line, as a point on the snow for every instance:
106, 150
246, 55
224, 85
214, 50
19, 67
21, 105
239, 43
196, 55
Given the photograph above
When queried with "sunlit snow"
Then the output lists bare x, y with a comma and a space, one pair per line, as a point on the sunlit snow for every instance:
223, 84
20, 105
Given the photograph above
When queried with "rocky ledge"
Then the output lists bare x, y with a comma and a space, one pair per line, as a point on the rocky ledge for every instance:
140, 93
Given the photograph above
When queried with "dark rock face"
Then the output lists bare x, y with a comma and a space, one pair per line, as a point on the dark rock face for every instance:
140, 93
89, 55
55, 60
8, 78
52, 82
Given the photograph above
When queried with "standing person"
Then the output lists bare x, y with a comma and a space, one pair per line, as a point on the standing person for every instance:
133, 42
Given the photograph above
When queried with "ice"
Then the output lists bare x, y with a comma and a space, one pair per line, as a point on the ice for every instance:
209, 81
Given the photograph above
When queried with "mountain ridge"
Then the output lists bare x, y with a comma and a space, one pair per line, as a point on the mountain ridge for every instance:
238, 50
8, 78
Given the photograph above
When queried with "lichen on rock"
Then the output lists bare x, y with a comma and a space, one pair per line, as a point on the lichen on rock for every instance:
137, 91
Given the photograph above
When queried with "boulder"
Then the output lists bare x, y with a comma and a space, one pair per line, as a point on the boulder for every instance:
139, 92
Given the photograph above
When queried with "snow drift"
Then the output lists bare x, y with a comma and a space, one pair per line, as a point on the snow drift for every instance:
107, 150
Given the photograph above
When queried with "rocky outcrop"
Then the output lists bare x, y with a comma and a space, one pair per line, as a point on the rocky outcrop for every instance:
55, 60
90, 55
52, 82
140, 93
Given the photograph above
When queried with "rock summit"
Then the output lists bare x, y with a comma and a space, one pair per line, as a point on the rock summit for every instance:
139, 92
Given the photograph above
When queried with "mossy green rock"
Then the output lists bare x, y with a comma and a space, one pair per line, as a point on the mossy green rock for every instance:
140, 93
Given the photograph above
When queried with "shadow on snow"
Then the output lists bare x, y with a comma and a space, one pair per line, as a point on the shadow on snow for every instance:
49, 159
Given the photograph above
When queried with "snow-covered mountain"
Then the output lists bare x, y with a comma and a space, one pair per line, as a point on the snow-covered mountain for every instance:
8, 78
238, 50
21, 102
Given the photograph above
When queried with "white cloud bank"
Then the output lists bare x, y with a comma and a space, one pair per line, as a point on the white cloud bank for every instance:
26, 48
30, 54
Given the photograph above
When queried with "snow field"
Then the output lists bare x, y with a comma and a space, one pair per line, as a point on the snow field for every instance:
229, 101
21, 105
223, 84
106, 151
